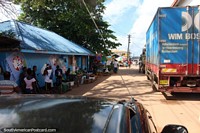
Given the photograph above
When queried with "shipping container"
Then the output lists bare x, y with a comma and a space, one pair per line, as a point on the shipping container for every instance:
173, 49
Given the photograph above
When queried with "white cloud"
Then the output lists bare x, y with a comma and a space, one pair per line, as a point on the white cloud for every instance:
116, 8
9, 11
123, 40
145, 14
144, 11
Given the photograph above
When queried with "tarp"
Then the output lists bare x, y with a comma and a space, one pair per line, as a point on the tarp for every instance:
34, 39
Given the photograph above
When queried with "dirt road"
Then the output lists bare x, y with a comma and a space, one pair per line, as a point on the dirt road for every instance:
184, 109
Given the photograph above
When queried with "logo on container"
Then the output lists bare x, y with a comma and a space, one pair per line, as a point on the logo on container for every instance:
187, 21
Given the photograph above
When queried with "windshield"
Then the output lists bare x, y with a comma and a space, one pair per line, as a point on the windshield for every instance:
61, 114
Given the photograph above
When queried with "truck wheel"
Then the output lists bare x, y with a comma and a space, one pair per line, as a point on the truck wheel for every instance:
153, 84
154, 88
143, 71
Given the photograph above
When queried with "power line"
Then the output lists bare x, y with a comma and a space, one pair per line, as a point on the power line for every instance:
117, 29
128, 51
94, 21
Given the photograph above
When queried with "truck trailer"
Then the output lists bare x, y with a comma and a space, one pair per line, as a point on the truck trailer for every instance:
173, 50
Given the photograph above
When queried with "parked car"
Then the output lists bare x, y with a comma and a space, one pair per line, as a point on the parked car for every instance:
53, 113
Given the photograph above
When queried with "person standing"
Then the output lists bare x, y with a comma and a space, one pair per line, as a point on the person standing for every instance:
129, 63
67, 74
34, 75
22, 75
48, 77
115, 66
34, 72
58, 74
30, 82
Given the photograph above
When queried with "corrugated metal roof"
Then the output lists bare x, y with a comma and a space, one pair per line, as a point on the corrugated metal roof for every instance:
34, 39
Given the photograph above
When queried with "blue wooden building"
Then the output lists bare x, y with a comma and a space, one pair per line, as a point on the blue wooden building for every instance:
31, 46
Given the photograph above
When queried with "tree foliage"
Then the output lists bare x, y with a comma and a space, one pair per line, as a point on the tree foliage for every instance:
70, 19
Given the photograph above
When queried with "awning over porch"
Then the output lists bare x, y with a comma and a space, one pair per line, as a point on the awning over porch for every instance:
9, 44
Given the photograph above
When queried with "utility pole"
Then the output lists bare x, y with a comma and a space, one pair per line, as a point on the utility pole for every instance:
129, 41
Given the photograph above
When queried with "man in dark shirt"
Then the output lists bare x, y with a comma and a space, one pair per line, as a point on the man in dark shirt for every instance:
58, 74
34, 75
34, 72
23, 74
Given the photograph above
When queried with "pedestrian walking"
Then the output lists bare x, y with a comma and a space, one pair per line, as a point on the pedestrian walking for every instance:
115, 66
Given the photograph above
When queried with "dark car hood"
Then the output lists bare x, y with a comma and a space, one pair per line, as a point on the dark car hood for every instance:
66, 114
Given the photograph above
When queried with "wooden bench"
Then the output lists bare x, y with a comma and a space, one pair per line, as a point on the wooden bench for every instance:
65, 86
106, 74
87, 81
92, 78
99, 73
6, 90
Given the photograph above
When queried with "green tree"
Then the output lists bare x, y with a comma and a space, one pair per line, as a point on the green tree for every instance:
70, 19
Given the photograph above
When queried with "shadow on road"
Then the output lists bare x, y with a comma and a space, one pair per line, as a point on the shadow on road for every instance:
182, 96
122, 85
84, 88
130, 71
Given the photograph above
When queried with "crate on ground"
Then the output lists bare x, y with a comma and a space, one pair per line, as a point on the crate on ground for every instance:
92, 78
65, 87
87, 81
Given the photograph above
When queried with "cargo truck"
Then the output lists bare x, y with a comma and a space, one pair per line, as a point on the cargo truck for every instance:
173, 49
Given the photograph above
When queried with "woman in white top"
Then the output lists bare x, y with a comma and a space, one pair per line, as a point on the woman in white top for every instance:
48, 78
30, 82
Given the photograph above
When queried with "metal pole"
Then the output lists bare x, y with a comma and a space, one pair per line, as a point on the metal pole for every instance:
129, 37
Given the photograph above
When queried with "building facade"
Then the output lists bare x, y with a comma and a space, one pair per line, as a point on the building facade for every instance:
28, 46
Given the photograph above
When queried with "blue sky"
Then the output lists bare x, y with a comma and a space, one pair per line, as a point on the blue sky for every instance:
132, 17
